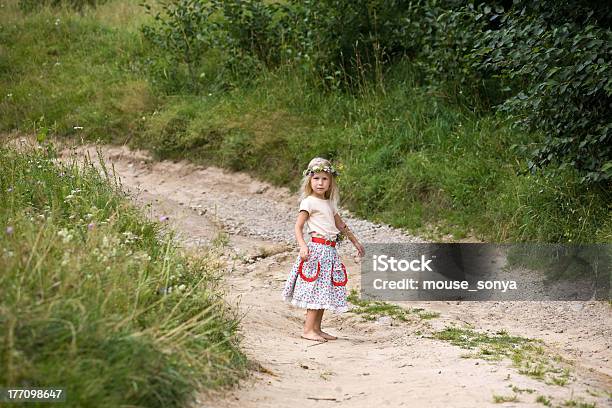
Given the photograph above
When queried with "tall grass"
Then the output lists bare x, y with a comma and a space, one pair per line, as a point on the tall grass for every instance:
94, 300
416, 154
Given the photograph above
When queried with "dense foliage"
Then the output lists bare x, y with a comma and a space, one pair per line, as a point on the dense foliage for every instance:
184, 32
556, 65
544, 63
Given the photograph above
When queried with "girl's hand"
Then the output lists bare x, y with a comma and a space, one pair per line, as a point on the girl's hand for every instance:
360, 249
304, 253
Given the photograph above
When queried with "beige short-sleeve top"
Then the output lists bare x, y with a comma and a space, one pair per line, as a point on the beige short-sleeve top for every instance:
320, 217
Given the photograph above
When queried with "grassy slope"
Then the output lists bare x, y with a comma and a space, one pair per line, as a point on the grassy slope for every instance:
413, 157
82, 303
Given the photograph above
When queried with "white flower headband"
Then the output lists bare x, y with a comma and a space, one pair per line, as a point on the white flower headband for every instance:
319, 168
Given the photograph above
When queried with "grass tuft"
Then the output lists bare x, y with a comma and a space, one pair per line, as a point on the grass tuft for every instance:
498, 399
371, 310
528, 355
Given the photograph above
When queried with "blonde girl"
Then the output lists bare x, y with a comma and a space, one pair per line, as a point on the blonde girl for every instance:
318, 279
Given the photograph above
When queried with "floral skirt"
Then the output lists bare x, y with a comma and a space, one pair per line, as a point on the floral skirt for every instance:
319, 282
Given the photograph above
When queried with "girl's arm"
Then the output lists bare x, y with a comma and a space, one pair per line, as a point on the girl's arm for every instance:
299, 237
341, 225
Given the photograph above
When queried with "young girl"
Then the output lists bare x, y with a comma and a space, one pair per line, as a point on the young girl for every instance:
318, 279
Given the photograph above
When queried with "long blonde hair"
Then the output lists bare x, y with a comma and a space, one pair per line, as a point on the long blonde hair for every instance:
332, 194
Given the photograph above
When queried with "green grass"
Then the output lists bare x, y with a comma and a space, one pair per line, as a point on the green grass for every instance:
72, 75
498, 399
578, 404
371, 310
544, 401
414, 158
518, 390
94, 300
528, 355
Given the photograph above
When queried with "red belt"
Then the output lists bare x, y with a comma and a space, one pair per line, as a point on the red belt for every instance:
324, 241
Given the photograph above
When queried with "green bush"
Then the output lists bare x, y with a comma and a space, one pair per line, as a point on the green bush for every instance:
559, 76
183, 32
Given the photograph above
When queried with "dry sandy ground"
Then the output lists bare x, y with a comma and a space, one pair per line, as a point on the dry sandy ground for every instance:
373, 363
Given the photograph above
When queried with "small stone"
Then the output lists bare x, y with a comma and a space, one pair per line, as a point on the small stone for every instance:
255, 189
578, 307
385, 320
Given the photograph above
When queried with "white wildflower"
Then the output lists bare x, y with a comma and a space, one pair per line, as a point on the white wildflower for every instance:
130, 237
65, 259
65, 235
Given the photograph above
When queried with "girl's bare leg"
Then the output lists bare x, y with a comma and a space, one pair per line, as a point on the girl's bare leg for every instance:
317, 326
310, 331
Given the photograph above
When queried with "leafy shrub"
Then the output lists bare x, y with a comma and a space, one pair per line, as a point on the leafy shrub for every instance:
562, 85
184, 32
250, 28
349, 41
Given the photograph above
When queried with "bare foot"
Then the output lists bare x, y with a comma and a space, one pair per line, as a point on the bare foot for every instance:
326, 336
313, 336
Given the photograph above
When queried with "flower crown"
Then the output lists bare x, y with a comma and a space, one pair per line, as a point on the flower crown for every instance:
319, 168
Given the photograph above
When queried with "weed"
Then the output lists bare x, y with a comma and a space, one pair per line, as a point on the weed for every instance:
578, 404
498, 399
221, 240
518, 390
544, 401
370, 310
325, 375
527, 355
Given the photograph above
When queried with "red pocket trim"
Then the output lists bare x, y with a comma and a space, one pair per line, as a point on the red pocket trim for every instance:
307, 279
345, 277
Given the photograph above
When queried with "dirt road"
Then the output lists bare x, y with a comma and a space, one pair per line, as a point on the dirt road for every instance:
373, 363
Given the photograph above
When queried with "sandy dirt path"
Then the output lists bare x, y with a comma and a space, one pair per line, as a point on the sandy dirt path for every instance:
373, 363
